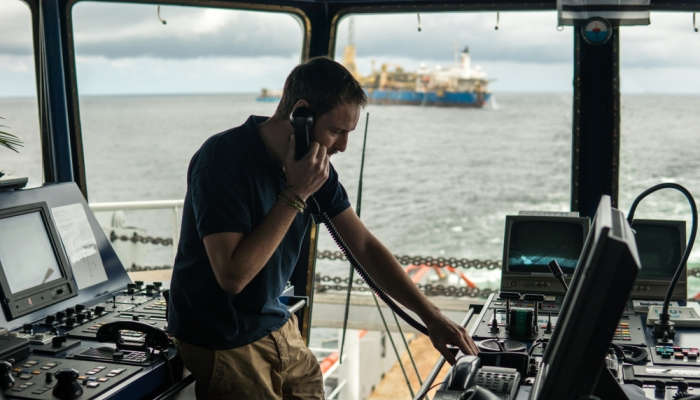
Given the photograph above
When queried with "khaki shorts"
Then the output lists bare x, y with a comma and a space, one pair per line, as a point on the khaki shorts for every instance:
278, 366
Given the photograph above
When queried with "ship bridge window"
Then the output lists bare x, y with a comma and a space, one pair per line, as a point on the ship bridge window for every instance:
18, 98
660, 99
154, 82
467, 124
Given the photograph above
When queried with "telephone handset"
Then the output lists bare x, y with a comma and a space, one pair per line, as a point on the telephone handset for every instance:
155, 338
462, 372
477, 382
303, 123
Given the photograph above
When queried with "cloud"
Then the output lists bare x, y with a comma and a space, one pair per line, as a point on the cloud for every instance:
522, 37
222, 49
145, 75
15, 28
190, 32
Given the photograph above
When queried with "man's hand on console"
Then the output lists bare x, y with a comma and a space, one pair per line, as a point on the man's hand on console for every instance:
446, 334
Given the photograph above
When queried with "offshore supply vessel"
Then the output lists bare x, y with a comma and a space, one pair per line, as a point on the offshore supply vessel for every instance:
461, 85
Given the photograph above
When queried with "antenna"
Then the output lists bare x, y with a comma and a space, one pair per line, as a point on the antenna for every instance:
695, 28
351, 32
498, 19
162, 21
420, 29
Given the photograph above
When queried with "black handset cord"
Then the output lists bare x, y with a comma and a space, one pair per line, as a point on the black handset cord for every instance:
664, 317
361, 271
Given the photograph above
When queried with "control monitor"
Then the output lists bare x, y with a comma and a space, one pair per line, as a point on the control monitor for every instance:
661, 244
531, 242
34, 269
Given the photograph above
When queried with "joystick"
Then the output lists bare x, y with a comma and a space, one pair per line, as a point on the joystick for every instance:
6, 379
494, 323
67, 386
508, 296
57, 341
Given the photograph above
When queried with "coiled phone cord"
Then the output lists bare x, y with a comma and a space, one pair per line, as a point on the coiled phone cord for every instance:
337, 238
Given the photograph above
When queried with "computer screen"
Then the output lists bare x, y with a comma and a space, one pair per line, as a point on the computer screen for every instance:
533, 241
26, 255
661, 245
34, 270
592, 307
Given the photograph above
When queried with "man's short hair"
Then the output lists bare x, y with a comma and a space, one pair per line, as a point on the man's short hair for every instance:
323, 83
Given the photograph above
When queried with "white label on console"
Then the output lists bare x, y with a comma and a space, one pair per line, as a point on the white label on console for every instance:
80, 244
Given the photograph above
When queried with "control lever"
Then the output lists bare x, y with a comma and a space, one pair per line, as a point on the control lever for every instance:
558, 273
6, 379
67, 386
537, 298
508, 296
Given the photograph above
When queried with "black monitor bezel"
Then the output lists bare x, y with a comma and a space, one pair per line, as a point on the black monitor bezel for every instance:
655, 289
540, 282
591, 310
66, 284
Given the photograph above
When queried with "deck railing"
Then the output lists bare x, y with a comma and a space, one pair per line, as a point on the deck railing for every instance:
120, 206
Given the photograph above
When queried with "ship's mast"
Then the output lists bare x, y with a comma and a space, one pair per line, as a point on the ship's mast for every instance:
349, 52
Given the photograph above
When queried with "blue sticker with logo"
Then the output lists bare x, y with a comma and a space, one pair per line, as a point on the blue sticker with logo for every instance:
596, 31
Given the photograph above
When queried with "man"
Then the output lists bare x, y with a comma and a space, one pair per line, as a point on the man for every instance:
243, 223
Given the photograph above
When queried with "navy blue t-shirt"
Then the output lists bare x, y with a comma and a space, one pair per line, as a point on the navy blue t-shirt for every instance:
232, 183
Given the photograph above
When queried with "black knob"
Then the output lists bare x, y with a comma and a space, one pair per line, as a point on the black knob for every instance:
70, 311
6, 379
27, 328
99, 310
60, 315
58, 341
138, 284
157, 285
49, 378
79, 308
80, 318
70, 321
67, 386
682, 387
149, 290
130, 288
135, 317
49, 320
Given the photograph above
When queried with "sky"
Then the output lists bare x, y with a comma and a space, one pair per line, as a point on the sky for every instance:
125, 49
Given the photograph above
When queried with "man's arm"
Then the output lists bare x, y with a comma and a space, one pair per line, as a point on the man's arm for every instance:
385, 270
236, 258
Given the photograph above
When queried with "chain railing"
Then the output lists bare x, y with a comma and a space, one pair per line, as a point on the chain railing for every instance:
137, 238
325, 283
429, 261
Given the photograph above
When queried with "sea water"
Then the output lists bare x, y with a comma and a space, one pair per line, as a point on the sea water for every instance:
437, 181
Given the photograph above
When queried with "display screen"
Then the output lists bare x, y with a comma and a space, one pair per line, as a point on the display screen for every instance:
659, 247
26, 254
533, 244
